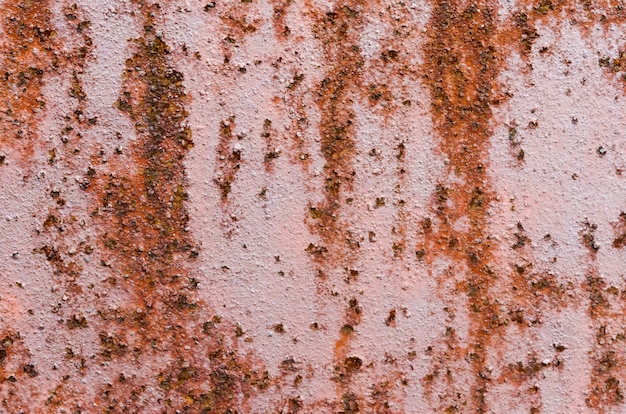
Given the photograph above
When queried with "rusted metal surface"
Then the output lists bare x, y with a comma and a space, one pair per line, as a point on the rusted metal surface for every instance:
312, 207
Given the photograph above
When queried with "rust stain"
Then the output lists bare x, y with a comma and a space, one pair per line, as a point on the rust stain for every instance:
150, 251
272, 148
27, 56
620, 232
31, 22
17, 372
461, 73
606, 306
236, 16
606, 302
31, 54
464, 55
294, 99
338, 32
60, 222
342, 87
337, 130
228, 158
280, 10
170, 350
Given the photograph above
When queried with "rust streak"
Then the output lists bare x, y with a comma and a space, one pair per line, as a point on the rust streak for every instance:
337, 30
464, 54
461, 73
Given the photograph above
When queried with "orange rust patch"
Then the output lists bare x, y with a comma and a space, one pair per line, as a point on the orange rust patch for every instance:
337, 129
29, 53
340, 42
281, 8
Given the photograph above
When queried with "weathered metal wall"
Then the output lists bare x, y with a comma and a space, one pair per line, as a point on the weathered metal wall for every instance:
301, 206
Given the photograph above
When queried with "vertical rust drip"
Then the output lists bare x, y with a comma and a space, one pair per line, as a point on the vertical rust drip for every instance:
280, 9
228, 158
464, 54
340, 42
461, 70
337, 129
160, 348
193, 358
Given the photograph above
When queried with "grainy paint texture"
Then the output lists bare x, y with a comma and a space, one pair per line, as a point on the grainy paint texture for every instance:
302, 206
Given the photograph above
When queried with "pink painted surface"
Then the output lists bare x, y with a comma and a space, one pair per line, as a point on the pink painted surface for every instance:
312, 207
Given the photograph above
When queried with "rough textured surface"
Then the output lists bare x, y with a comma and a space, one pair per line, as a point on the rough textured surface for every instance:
312, 207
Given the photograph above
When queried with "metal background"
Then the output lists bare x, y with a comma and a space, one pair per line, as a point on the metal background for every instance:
287, 206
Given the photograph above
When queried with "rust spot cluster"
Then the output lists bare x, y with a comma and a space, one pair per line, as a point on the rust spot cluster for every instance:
606, 306
27, 56
15, 366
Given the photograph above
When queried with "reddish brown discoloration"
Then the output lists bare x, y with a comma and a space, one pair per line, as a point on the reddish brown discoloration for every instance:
299, 120
342, 86
31, 52
614, 65
27, 55
238, 18
338, 31
521, 374
281, 8
336, 94
17, 372
60, 222
464, 56
129, 317
272, 148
